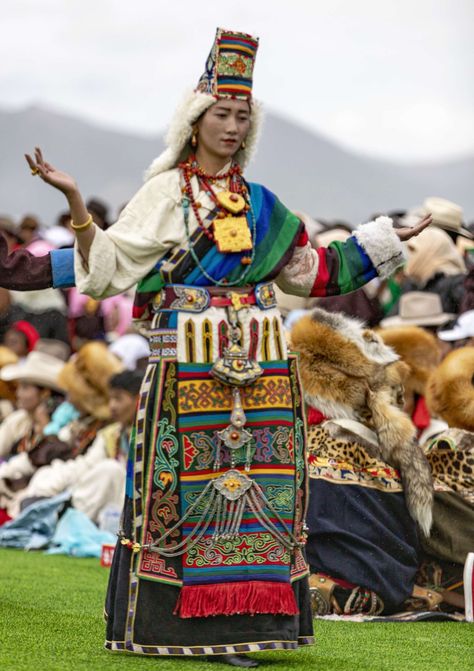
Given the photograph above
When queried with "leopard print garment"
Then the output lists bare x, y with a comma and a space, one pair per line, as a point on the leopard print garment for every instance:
451, 457
348, 462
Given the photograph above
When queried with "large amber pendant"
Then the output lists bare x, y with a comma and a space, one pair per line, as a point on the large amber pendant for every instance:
232, 202
232, 234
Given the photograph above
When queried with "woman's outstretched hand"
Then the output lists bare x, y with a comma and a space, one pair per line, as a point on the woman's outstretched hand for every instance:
60, 180
405, 233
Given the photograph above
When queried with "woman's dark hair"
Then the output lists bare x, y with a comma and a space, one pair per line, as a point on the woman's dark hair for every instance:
127, 380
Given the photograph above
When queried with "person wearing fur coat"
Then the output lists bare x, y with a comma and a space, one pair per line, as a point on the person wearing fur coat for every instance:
210, 558
370, 483
450, 396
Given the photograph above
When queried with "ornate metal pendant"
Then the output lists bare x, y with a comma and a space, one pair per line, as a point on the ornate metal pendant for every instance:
232, 202
235, 367
232, 234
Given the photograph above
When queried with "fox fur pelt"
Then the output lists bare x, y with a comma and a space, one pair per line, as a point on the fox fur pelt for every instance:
419, 349
450, 389
348, 372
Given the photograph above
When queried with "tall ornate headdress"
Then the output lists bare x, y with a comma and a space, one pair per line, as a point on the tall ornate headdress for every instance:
228, 74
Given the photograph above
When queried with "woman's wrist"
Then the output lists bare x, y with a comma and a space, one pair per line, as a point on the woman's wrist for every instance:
73, 195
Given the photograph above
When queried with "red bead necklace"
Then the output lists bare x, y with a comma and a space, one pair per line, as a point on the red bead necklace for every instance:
235, 184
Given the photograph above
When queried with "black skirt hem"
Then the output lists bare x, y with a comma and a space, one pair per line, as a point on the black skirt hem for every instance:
238, 648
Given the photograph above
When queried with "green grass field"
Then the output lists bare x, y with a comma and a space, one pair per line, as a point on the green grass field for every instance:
51, 619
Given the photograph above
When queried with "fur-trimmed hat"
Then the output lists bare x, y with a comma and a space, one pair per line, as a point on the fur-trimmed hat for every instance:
86, 376
228, 74
450, 389
419, 349
348, 372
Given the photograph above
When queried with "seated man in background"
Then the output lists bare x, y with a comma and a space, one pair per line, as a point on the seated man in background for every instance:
96, 479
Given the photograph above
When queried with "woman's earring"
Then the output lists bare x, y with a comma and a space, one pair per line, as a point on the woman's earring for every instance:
243, 145
194, 140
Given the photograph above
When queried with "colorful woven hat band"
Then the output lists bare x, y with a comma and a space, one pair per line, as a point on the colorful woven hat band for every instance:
229, 67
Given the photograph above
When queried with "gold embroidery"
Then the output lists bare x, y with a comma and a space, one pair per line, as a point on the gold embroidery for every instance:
266, 340
277, 338
190, 341
207, 353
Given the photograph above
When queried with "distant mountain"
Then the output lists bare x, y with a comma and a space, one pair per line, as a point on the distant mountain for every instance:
307, 172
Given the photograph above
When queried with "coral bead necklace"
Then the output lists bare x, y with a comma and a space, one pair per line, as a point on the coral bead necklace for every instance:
230, 230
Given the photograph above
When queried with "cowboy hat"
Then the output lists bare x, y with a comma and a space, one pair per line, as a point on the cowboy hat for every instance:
418, 308
38, 368
446, 215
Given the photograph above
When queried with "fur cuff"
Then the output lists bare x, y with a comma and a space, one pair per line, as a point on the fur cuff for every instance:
382, 245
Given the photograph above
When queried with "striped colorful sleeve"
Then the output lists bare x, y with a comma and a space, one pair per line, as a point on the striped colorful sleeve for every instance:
374, 250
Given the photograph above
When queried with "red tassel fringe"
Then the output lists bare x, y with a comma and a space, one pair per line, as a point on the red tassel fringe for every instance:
236, 598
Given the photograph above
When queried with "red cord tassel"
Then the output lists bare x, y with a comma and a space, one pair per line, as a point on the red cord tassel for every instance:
236, 598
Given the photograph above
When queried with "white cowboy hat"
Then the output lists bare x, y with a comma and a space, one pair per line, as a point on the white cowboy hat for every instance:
463, 328
418, 308
38, 368
446, 215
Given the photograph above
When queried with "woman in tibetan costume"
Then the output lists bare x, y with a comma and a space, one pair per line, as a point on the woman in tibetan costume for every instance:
210, 559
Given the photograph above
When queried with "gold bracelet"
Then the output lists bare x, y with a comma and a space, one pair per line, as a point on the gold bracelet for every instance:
84, 226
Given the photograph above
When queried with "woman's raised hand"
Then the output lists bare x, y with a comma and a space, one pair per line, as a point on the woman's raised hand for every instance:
60, 180
405, 232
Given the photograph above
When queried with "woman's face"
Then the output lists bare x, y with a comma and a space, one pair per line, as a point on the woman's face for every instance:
223, 127
29, 396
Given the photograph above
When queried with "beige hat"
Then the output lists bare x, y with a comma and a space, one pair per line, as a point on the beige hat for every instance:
418, 308
38, 368
446, 215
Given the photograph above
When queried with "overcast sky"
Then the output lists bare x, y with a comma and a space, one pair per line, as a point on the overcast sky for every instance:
392, 78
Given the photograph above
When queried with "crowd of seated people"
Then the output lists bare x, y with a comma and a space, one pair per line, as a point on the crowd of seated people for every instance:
387, 373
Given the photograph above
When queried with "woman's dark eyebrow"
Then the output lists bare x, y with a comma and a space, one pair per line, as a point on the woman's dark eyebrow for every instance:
228, 109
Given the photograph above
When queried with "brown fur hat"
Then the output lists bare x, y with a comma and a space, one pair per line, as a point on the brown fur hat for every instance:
450, 389
418, 349
86, 376
348, 372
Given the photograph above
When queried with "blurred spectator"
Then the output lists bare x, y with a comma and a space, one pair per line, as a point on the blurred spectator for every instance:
86, 376
96, 478
446, 215
461, 332
420, 350
21, 338
7, 389
99, 211
56, 348
450, 395
11, 233
419, 308
467, 302
37, 380
435, 265
96, 320
132, 349
369, 481
60, 235
29, 229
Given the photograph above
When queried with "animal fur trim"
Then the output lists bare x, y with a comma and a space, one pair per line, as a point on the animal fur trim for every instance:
418, 349
348, 372
450, 389
399, 447
180, 131
382, 245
